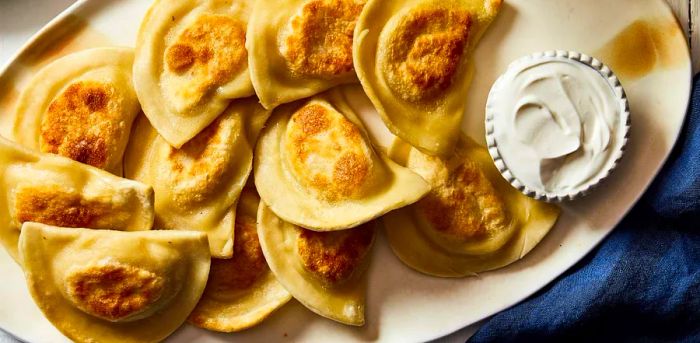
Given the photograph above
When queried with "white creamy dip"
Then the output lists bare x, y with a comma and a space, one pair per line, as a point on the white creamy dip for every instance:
555, 122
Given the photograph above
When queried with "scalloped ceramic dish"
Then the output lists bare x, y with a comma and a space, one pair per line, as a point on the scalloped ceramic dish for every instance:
403, 305
621, 134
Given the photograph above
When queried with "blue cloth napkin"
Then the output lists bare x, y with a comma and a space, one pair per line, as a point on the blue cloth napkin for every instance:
642, 284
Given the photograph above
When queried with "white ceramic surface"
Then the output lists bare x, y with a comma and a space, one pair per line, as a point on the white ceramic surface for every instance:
404, 305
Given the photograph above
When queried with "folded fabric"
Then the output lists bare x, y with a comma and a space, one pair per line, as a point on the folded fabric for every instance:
676, 192
642, 283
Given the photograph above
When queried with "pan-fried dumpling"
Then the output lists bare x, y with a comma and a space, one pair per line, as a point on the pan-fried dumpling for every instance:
111, 286
315, 167
299, 48
413, 60
81, 106
58, 191
197, 186
190, 62
325, 271
471, 221
242, 291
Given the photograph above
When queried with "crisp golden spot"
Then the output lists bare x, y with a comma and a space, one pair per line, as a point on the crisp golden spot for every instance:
318, 40
199, 167
466, 206
312, 120
328, 153
58, 207
84, 123
180, 57
334, 256
350, 171
247, 264
425, 51
113, 291
210, 52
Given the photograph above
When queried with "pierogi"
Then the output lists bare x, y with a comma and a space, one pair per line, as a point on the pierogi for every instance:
315, 167
112, 286
197, 186
55, 190
190, 62
241, 291
299, 48
325, 271
80, 106
413, 60
471, 221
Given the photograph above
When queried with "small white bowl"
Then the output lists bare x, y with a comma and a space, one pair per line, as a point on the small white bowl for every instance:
620, 133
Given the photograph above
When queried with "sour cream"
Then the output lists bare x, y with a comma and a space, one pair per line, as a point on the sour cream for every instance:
555, 122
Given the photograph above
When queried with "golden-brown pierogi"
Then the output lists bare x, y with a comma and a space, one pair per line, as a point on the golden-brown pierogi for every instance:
55, 190
81, 106
471, 221
413, 60
315, 167
191, 61
299, 48
111, 286
241, 291
325, 271
197, 186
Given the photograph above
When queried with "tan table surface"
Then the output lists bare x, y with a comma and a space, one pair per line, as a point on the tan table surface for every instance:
688, 14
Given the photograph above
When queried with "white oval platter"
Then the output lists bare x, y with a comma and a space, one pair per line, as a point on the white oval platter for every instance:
404, 306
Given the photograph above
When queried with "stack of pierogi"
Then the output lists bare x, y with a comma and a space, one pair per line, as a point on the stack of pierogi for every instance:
220, 167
